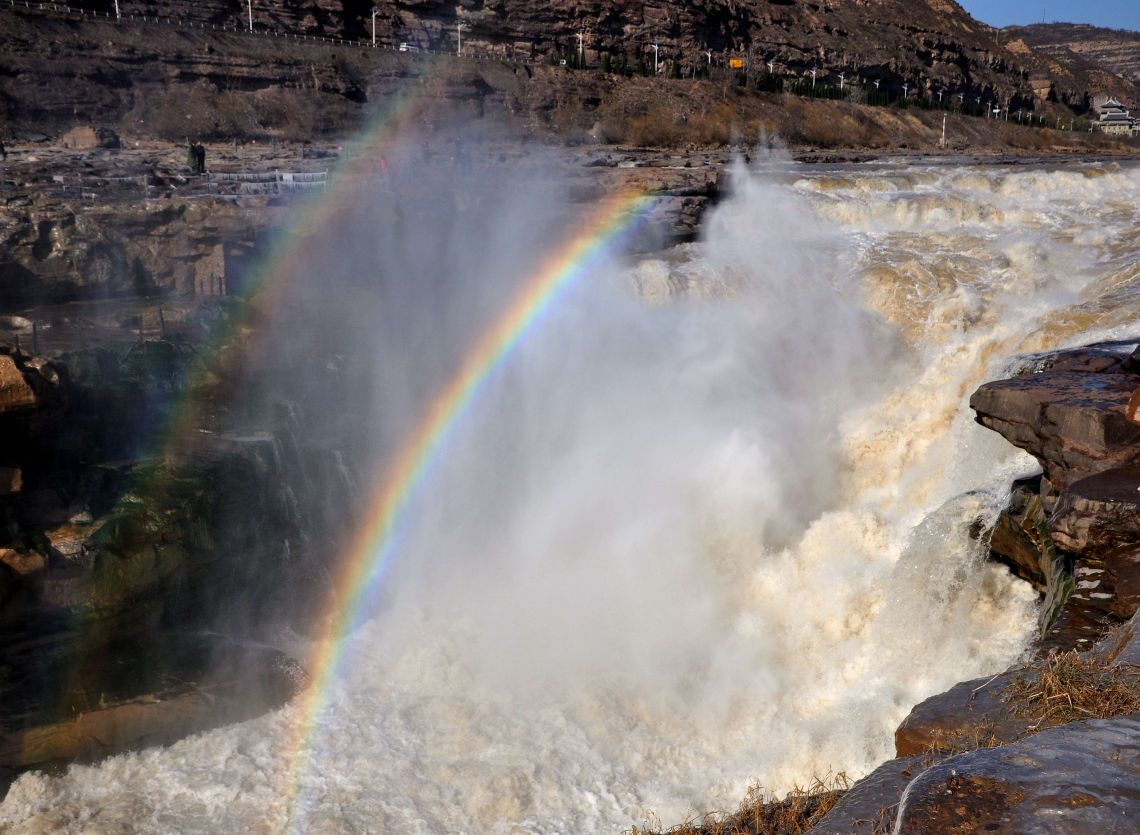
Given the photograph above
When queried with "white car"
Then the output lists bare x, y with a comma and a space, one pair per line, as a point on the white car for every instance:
409, 47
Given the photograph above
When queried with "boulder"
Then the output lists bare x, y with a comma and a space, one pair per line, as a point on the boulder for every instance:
1078, 778
1073, 422
15, 393
81, 137
21, 562
871, 803
968, 715
1121, 646
11, 480
1014, 538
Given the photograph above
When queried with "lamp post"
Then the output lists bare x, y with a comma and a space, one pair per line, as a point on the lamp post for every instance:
906, 89
656, 48
581, 48
374, 13
842, 79
249, 5
459, 31
117, 15
813, 72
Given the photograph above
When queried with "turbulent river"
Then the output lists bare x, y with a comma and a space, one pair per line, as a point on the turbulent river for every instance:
708, 526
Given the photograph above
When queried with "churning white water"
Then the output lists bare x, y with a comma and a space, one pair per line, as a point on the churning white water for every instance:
708, 527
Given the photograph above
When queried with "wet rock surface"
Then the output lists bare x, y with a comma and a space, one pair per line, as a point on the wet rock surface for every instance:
870, 805
970, 714
1079, 778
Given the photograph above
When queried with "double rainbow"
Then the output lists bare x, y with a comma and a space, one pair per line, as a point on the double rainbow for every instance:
373, 546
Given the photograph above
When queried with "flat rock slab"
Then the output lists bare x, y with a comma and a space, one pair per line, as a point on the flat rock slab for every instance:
1073, 422
871, 803
236, 683
1080, 778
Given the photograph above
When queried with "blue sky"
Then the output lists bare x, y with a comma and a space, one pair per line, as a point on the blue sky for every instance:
1116, 14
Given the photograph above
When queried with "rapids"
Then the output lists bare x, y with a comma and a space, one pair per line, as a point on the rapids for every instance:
707, 528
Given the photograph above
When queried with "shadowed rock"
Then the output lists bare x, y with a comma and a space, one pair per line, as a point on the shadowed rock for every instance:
138, 700
1099, 518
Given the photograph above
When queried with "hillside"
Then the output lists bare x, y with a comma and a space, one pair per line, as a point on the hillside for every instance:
1115, 51
302, 76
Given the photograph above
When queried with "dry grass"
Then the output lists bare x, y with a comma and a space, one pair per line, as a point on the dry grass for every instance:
1068, 688
762, 813
948, 744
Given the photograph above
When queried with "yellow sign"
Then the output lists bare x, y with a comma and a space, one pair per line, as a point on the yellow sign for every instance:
736, 63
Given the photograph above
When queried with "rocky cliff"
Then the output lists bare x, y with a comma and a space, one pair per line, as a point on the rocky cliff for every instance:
175, 69
1115, 51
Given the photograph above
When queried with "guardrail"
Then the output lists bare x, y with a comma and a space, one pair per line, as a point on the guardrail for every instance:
91, 187
265, 182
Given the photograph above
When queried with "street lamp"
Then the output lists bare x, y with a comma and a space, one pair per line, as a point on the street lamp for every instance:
459, 31
249, 5
906, 87
876, 84
117, 15
842, 79
656, 48
708, 54
813, 72
771, 66
374, 13
581, 47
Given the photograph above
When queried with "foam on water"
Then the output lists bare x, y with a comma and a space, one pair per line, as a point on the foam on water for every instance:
688, 545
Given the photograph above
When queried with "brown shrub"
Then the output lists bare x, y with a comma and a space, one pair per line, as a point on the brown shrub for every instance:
763, 814
1068, 687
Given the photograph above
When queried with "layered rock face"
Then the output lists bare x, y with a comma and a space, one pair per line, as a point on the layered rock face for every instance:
174, 78
933, 41
1112, 50
1074, 531
59, 249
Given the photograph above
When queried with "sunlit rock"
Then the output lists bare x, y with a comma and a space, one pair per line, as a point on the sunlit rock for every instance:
1076, 778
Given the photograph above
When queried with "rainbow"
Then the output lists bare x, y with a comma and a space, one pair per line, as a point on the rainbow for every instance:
271, 281
373, 546
276, 275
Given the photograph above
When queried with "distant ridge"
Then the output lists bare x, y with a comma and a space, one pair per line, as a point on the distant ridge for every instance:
1112, 50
